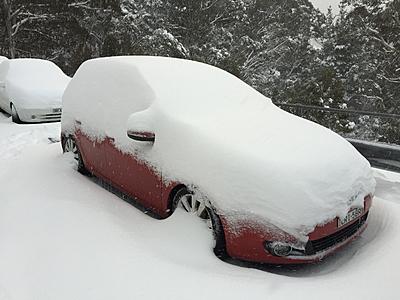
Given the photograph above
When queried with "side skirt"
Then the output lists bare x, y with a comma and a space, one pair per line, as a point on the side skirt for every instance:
131, 200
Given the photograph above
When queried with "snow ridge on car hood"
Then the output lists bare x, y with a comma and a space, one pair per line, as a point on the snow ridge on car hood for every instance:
254, 161
282, 169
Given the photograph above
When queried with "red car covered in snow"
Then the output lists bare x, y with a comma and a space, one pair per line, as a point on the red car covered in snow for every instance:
146, 126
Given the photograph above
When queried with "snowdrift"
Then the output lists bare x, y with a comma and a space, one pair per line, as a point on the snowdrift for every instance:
253, 160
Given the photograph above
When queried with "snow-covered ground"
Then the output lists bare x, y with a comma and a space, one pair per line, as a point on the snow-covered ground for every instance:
64, 237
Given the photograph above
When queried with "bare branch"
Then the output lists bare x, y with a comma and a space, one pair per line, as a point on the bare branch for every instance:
217, 18
391, 80
380, 39
16, 12
209, 6
83, 4
16, 27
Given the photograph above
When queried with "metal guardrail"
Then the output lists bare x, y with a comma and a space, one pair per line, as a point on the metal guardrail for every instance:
338, 110
380, 155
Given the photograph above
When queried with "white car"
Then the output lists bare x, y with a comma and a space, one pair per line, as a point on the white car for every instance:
31, 89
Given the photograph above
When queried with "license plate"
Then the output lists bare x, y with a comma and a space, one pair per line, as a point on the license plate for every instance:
351, 215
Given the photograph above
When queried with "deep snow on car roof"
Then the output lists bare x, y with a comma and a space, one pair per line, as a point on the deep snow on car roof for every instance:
34, 71
180, 83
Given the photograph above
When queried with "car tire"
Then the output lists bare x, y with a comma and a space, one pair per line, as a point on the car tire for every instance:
71, 146
190, 204
14, 114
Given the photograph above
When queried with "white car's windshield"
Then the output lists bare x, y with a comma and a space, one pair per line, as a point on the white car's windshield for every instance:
34, 73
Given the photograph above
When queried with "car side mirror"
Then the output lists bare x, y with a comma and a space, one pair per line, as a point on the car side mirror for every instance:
142, 136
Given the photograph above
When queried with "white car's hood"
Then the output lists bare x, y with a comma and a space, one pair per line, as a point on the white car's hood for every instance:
35, 83
43, 97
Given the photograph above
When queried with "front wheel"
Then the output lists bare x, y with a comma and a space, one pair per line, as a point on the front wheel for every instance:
201, 208
70, 146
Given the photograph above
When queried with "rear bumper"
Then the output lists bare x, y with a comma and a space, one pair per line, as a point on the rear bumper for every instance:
249, 243
39, 115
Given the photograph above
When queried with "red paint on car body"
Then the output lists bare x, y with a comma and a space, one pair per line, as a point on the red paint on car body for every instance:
140, 181
248, 243
124, 171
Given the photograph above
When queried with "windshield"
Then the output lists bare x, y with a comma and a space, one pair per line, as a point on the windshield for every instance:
35, 72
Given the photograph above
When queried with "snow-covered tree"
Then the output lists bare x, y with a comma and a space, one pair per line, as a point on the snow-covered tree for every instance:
287, 50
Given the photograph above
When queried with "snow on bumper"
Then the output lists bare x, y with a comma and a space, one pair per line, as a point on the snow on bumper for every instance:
32, 115
251, 242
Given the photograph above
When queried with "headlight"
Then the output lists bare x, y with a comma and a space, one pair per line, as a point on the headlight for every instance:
278, 248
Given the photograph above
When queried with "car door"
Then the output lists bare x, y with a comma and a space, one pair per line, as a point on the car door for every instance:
134, 177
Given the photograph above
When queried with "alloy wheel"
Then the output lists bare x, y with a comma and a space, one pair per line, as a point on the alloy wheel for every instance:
70, 146
196, 206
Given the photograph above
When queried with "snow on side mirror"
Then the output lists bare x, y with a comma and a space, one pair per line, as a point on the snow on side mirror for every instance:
142, 136
140, 126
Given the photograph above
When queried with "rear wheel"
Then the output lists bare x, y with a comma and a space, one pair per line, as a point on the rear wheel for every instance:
70, 146
14, 114
201, 208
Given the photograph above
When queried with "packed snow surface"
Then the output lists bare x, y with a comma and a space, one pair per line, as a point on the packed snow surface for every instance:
14, 139
63, 236
33, 83
253, 160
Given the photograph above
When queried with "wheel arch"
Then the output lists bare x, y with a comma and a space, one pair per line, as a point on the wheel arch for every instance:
172, 203
82, 161
218, 226
15, 117
63, 137
11, 104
